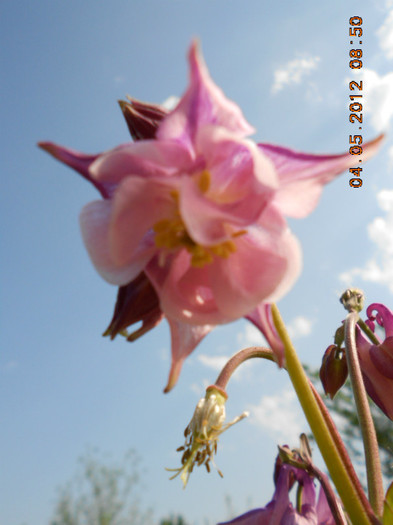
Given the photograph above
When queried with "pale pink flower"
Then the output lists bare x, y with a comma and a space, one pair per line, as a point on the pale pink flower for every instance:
200, 210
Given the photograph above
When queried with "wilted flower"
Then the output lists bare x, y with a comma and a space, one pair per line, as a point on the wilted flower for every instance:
376, 361
199, 210
202, 433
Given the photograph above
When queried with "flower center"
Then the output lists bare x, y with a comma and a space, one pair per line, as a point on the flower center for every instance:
172, 233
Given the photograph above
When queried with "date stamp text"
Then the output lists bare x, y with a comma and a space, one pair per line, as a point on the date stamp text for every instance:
356, 98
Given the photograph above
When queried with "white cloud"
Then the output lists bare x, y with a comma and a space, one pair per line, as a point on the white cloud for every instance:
300, 327
216, 362
385, 33
293, 72
251, 336
377, 98
280, 416
378, 269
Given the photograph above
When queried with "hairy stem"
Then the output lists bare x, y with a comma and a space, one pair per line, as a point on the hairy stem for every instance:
342, 450
238, 359
370, 443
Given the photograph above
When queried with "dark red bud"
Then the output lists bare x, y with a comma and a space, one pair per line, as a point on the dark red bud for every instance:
136, 302
334, 370
142, 119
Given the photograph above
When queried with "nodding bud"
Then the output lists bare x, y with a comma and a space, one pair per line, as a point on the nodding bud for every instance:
352, 300
334, 370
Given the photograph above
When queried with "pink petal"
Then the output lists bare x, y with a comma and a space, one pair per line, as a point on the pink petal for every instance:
378, 385
262, 269
264, 266
302, 175
184, 291
203, 103
242, 182
324, 513
95, 221
384, 317
80, 162
382, 357
184, 339
262, 318
138, 204
145, 158
380, 391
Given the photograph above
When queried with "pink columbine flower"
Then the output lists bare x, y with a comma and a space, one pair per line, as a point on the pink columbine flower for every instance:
376, 361
200, 211
280, 509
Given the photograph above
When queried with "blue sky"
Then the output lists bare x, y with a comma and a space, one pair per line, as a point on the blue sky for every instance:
64, 387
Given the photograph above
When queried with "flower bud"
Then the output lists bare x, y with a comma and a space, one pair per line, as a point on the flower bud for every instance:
137, 301
352, 300
142, 119
334, 370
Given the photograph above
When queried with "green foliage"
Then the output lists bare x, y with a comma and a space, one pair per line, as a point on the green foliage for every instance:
102, 494
174, 521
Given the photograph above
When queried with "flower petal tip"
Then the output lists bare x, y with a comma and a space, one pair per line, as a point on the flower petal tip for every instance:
49, 147
172, 380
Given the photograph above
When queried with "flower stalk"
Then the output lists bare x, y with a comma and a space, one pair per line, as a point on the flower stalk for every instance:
370, 443
353, 505
266, 353
238, 359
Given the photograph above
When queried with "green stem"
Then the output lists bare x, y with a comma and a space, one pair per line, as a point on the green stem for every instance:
342, 452
370, 443
370, 334
341, 479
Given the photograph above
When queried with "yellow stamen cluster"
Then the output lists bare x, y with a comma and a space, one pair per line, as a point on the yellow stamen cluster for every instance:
204, 180
172, 234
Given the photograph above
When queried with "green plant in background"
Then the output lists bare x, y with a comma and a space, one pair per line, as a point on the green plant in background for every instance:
103, 493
